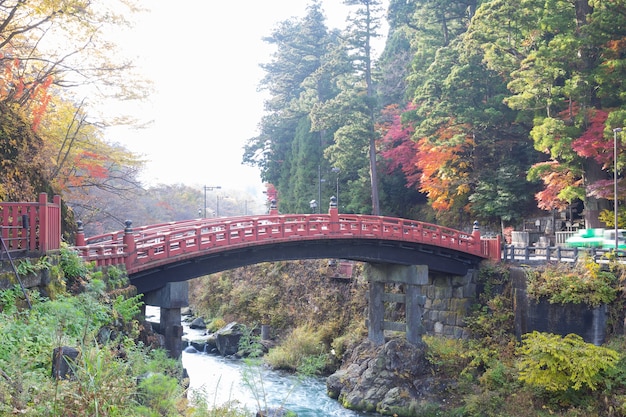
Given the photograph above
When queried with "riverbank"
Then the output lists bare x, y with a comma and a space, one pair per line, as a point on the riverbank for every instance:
490, 373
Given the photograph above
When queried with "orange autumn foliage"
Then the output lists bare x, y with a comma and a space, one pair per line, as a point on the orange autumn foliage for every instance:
556, 179
444, 167
33, 95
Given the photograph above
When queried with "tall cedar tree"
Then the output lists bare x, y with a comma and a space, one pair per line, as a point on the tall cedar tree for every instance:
364, 28
296, 79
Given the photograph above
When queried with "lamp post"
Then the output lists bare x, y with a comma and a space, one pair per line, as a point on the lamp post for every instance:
209, 188
615, 204
320, 180
336, 171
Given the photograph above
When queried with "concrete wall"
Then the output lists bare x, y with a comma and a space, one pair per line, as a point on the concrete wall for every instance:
563, 319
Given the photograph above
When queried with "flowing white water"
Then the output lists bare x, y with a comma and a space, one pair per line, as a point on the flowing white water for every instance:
219, 380
222, 379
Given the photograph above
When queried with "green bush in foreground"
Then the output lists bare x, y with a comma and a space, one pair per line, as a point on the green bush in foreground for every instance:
105, 374
558, 363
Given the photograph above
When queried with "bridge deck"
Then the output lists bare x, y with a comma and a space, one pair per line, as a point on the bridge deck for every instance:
153, 246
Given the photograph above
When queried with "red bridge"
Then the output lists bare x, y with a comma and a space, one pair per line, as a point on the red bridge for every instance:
157, 254
158, 258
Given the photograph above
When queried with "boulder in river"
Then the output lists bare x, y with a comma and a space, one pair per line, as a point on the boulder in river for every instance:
227, 339
198, 323
392, 379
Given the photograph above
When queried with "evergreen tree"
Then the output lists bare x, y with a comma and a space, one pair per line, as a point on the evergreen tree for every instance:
464, 133
562, 65
365, 24
296, 78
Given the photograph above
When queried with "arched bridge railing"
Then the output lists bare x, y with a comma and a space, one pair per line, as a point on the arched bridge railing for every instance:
147, 247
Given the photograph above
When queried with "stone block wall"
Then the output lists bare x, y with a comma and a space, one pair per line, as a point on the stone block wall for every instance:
448, 300
36, 279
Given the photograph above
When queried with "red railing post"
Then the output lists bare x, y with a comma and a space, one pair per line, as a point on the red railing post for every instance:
49, 216
43, 221
497, 256
129, 243
54, 223
80, 234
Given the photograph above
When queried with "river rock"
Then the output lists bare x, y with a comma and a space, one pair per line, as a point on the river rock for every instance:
63, 359
198, 323
392, 379
202, 343
275, 412
190, 349
227, 339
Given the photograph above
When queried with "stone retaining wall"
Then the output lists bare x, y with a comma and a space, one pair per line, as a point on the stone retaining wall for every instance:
36, 279
448, 301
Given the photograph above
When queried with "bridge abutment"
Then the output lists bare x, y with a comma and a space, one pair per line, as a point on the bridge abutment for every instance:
170, 299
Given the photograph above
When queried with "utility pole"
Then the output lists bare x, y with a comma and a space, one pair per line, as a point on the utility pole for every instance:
209, 188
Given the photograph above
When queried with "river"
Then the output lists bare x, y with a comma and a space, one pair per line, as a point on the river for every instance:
222, 379
219, 380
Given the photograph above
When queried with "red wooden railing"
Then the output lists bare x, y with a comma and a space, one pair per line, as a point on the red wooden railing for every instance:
31, 227
152, 246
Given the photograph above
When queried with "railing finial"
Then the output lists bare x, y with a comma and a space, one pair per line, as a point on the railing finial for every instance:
273, 207
476, 231
80, 234
128, 228
333, 202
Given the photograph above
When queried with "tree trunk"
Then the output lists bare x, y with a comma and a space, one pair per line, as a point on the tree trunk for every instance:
593, 206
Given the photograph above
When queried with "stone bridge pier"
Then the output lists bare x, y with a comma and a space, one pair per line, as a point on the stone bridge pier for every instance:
411, 279
433, 303
170, 299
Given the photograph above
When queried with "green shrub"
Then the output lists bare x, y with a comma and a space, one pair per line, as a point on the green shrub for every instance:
102, 385
72, 265
113, 272
485, 404
26, 267
249, 343
302, 351
557, 363
216, 324
493, 275
585, 283
493, 322
96, 286
160, 394
127, 308
447, 355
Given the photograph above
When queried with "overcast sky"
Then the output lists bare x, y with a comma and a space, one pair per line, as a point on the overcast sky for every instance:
203, 57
